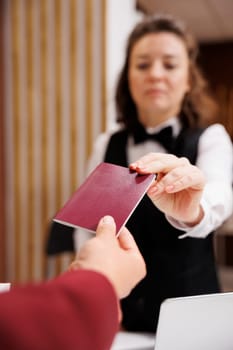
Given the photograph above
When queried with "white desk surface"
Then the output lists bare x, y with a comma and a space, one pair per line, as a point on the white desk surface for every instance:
133, 341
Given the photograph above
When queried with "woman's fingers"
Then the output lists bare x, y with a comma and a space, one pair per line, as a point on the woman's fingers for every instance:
158, 162
173, 174
179, 179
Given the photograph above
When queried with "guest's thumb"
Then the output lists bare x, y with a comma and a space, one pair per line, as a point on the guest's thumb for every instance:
106, 227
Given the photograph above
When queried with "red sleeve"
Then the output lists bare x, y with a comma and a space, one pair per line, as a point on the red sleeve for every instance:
77, 311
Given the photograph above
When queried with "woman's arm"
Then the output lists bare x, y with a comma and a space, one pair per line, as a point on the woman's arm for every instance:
195, 199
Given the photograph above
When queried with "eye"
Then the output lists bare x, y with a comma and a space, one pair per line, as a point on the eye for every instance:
143, 65
169, 65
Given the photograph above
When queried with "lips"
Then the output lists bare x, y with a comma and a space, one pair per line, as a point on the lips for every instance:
154, 92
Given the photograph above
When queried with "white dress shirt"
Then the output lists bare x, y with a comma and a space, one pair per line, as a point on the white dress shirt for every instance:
214, 158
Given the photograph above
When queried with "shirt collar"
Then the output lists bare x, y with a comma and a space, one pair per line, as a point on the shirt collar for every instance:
174, 122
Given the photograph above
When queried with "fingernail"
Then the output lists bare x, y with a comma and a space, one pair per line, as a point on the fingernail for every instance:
108, 219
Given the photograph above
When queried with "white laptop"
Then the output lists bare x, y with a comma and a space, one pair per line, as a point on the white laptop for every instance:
203, 322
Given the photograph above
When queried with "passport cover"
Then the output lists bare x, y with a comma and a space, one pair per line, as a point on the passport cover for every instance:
109, 190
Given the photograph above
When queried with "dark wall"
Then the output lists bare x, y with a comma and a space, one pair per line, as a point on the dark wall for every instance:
216, 61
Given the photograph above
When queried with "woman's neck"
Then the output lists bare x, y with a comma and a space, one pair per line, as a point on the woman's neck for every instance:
152, 121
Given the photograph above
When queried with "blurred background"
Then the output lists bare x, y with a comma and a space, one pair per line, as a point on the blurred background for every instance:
59, 62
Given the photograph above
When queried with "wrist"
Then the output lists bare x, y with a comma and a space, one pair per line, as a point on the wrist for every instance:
196, 219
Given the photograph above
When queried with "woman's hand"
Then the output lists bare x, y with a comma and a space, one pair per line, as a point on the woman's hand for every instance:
178, 188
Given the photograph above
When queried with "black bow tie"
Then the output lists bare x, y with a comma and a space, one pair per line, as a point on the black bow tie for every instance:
164, 137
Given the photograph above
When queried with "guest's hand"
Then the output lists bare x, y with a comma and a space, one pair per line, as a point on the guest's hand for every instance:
178, 188
118, 258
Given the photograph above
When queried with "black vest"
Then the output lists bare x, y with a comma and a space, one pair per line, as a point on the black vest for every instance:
175, 267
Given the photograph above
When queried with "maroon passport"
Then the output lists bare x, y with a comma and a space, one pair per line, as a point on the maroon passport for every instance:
109, 190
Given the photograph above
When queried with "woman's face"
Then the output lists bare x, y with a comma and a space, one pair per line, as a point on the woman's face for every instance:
158, 76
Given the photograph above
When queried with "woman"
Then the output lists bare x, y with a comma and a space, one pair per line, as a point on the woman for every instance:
161, 87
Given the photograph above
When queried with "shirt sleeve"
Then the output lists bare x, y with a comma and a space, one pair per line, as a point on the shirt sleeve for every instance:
78, 310
215, 159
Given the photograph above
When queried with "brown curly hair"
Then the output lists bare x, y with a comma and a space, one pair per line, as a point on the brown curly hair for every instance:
198, 107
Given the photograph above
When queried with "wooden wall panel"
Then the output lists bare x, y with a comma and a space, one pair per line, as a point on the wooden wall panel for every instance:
55, 108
